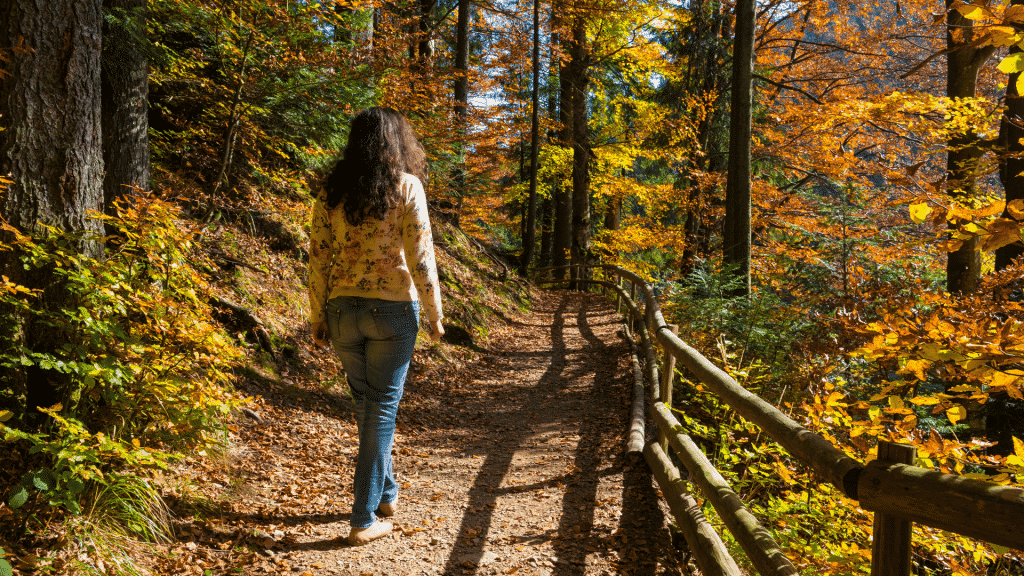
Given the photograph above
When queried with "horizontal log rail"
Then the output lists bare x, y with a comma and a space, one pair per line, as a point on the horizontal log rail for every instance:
707, 547
894, 491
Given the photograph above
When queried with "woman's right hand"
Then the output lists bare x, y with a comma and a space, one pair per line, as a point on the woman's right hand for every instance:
436, 331
321, 334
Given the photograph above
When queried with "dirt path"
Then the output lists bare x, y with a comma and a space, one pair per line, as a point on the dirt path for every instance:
511, 464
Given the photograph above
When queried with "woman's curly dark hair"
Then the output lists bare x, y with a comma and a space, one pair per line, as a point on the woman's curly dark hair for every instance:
366, 181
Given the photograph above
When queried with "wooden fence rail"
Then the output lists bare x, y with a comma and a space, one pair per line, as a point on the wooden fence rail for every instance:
891, 486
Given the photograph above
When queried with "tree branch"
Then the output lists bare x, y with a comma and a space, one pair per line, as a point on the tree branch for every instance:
788, 87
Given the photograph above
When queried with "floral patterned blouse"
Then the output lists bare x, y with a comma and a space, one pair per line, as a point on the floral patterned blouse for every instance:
390, 259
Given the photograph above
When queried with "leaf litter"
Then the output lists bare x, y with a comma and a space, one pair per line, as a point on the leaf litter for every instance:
510, 461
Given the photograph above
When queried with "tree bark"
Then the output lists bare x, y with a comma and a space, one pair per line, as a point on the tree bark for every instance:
963, 266
546, 229
1011, 164
530, 238
613, 213
580, 151
563, 194
51, 148
736, 235
125, 95
50, 113
547, 238
461, 93
462, 62
425, 51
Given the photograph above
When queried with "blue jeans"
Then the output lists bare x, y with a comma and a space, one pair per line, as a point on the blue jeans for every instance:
374, 340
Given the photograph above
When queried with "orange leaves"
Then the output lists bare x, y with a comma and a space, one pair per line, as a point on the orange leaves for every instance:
955, 223
966, 344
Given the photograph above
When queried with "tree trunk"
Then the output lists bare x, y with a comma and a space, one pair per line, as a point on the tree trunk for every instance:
546, 228
963, 267
1011, 165
736, 235
530, 238
580, 151
50, 112
353, 25
563, 194
461, 93
425, 49
238, 110
613, 213
51, 148
125, 93
342, 31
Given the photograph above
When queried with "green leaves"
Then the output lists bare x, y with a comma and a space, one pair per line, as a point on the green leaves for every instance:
144, 362
18, 498
5, 567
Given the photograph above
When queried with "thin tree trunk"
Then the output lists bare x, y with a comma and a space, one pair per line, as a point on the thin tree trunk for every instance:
546, 228
461, 93
736, 235
425, 50
125, 94
963, 266
563, 194
346, 19
530, 238
580, 151
1011, 166
613, 214
235, 118
342, 32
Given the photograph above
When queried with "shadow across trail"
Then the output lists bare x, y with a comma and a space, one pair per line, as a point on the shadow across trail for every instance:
550, 435
482, 495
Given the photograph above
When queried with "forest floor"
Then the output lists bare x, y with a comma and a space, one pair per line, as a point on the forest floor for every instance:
510, 462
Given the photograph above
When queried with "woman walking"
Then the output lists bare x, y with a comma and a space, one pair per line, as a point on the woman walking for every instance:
371, 267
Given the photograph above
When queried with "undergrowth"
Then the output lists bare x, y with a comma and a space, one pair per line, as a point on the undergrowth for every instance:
139, 371
826, 375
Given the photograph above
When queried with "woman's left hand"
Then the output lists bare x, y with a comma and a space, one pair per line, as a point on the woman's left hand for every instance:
321, 334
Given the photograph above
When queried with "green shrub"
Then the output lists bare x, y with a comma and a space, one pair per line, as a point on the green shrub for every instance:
142, 370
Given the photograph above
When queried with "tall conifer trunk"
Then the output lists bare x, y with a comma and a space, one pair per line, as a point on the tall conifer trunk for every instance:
563, 194
736, 235
50, 112
125, 94
425, 49
548, 205
580, 151
530, 238
461, 93
51, 148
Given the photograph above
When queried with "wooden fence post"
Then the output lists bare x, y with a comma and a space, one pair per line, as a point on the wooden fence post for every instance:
667, 374
890, 549
632, 296
618, 298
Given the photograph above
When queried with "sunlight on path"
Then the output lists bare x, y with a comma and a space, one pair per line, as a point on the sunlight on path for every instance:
513, 465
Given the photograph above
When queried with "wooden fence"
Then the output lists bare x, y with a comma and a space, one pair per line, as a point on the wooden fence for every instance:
898, 492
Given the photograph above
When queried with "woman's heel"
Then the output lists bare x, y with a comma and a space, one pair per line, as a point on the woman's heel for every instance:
360, 536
